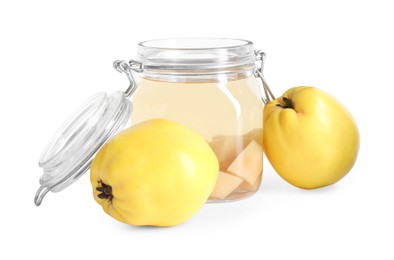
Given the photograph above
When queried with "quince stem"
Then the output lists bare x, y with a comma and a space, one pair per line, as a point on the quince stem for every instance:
106, 191
288, 103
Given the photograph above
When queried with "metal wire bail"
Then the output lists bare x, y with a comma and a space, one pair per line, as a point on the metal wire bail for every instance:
266, 94
127, 67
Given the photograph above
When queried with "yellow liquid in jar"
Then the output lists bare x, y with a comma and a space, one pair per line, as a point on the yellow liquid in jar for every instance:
227, 111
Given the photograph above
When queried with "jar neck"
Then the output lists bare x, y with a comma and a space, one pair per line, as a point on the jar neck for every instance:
198, 75
196, 59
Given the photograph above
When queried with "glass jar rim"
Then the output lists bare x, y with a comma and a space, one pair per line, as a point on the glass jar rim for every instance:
197, 43
195, 54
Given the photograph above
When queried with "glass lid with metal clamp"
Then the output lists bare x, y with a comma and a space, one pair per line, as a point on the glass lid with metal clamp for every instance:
69, 153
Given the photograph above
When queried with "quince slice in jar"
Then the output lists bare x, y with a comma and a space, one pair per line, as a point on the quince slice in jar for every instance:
241, 164
225, 184
248, 164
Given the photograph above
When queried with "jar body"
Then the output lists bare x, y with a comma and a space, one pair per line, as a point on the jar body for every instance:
227, 112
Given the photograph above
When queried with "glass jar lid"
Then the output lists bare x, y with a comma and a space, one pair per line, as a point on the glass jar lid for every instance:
70, 151
196, 54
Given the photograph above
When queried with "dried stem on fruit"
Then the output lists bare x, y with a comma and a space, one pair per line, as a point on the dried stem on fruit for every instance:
288, 103
106, 191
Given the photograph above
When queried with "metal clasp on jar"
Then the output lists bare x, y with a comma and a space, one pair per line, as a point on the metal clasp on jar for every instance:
127, 68
266, 93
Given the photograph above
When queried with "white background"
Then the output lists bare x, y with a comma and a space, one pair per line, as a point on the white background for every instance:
55, 54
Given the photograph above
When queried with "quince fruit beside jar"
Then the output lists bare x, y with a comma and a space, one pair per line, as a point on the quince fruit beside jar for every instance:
155, 173
310, 139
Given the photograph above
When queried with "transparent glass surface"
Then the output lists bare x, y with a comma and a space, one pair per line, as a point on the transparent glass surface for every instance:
227, 113
195, 59
69, 153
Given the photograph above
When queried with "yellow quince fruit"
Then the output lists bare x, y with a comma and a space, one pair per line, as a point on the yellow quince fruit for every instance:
310, 139
156, 173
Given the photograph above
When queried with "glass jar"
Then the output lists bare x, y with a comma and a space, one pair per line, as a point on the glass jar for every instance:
209, 85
